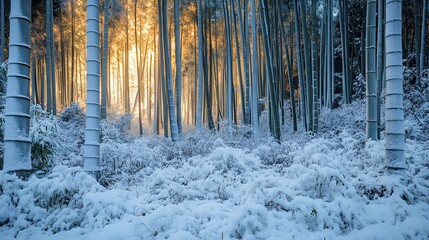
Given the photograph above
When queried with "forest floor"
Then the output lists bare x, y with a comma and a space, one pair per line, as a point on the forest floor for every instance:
222, 185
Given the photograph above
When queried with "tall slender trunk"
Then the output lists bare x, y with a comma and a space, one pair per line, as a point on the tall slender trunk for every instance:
35, 99
149, 91
67, 73
330, 58
139, 91
345, 51
307, 69
217, 85
63, 79
92, 131
322, 34
178, 66
255, 72
270, 74
127, 59
417, 34
104, 60
108, 82
155, 84
72, 80
239, 71
324, 56
291, 85
52, 52
326, 65
80, 86
208, 79
371, 81
49, 59
314, 59
245, 51
289, 64
302, 92
169, 75
196, 76
42, 84
198, 120
380, 63
423, 38
161, 75
229, 84
315, 102
362, 45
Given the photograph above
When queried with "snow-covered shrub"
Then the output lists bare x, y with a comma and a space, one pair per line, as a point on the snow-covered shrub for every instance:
170, 150
201, 143
250, 222
416, 107
227, 159
338, 90
237, 135
71, 136
273, 153
225, 185
322, 182
43, 133
55, 202
73, 113
124, 122
348, 116
206, 141
3, 79
359, 87
116, 130
264, 126
410, 77
123, 161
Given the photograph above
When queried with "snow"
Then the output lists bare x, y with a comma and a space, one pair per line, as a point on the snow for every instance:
327, 186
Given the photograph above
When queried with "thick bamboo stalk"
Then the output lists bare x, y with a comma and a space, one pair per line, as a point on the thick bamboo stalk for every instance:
92, 131
17, 112
395, 130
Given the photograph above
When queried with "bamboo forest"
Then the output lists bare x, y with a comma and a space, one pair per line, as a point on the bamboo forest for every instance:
214, 119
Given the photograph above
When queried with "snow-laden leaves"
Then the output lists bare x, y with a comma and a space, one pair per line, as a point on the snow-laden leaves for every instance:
43, 133
330, 188
208, 186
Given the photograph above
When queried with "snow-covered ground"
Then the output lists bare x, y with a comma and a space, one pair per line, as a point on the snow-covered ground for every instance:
223, 186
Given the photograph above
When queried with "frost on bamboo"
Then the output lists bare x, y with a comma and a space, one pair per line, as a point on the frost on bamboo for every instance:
199, 113
371, 80
255, 72
17, 125
169, 74
92, 131
395, 132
